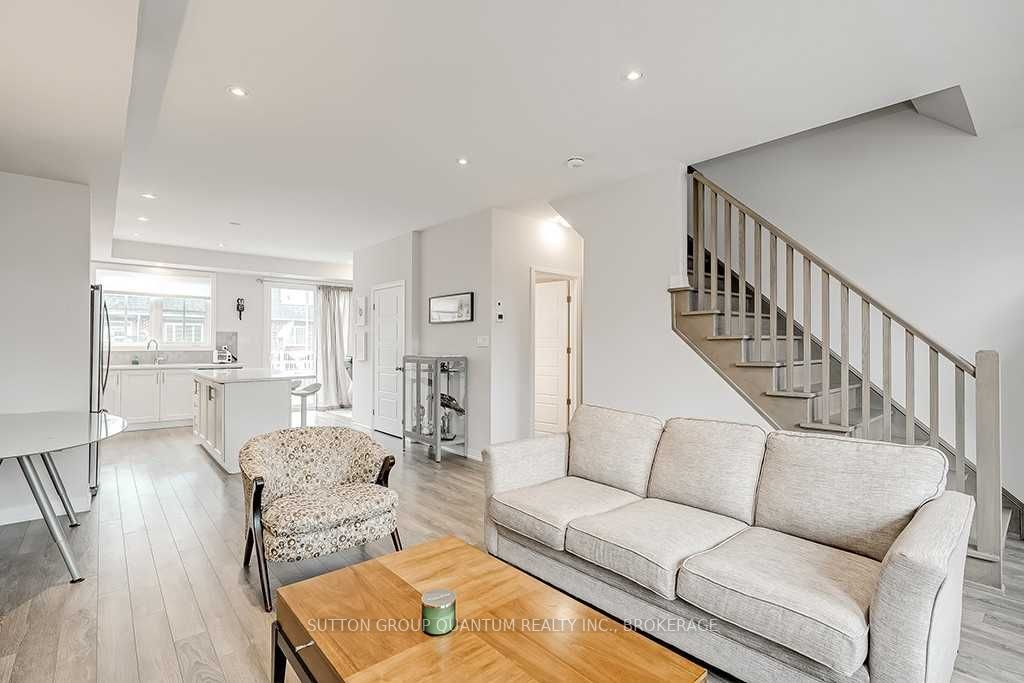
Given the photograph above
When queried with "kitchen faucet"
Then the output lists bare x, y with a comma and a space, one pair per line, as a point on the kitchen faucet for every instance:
156, 354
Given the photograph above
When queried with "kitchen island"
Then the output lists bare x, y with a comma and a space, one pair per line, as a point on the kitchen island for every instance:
231, 406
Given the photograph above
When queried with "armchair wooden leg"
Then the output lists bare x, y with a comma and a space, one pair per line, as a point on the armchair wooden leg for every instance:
261, 563
396, 539
254, 538
248, 547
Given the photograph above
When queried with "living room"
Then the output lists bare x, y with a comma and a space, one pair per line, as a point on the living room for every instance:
582, 341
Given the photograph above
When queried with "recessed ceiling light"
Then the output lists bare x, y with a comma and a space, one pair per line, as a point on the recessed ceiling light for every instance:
634, 75
221, 245
574, 162
135, 234
144, 219
148, 195
462, 161
238, 91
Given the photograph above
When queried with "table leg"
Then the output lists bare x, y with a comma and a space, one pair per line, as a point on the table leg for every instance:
28, 468
94, 468
58, 484
279, 664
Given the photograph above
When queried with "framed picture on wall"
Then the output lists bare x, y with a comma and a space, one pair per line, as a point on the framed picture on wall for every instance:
360, 311
451, 308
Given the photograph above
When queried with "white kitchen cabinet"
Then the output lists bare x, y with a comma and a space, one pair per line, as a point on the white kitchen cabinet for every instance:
234, 406
112, 394
175, 395
140, 396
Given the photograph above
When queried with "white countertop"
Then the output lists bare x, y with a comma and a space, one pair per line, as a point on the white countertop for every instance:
249, 375
177, 366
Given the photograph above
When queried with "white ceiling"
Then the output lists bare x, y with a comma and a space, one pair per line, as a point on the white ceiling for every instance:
360, 109
65, 73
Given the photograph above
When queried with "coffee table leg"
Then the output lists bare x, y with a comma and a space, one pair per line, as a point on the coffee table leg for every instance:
279, 664
58, 484
28, 469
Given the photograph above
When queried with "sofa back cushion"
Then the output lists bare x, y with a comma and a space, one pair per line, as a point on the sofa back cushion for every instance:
847, 493
613, 447
710, 465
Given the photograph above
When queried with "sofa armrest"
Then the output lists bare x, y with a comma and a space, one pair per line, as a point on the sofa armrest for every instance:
515, 464
915, 613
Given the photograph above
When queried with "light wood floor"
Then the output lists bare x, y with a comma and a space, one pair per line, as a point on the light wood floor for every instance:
166, 598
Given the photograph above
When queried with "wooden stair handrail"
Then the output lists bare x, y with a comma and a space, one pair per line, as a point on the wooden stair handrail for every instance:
955, 358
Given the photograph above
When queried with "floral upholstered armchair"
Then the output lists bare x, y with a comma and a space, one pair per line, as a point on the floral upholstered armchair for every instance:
313, 491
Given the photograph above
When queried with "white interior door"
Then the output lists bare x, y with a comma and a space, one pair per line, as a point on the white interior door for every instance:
550, 357
389, 347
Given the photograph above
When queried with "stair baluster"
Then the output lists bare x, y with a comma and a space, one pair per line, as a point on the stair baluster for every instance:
844, 355
758, 293
865, 365
727, 282
773, 306
741, 238
908, 404
826, 340
960, 450
713, 245
808, 378
886, 378
789, 318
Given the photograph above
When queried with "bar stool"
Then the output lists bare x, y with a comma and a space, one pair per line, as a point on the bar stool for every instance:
304, 393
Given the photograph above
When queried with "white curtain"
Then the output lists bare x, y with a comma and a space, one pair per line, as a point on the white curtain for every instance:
333, 340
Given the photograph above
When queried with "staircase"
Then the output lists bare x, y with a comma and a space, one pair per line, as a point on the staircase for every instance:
759, 305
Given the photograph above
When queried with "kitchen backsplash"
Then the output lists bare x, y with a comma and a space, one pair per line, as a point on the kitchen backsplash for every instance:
125, 357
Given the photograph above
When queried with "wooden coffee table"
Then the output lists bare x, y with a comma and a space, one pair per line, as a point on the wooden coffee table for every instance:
361, 623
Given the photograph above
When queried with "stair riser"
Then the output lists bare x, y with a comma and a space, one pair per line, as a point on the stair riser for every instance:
835, 401
719, 300
779, 346
741, 325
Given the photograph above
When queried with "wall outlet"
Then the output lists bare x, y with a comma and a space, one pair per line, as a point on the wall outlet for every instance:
483, 341
499, 314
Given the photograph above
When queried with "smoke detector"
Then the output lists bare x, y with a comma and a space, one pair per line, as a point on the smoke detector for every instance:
574, 162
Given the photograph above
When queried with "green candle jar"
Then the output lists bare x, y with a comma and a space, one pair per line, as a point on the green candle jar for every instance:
438, 612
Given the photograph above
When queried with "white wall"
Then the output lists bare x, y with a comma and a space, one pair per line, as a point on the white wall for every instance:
456, 257
388, 261
632, 360
44, 353
252, 328
925, 217
519, 243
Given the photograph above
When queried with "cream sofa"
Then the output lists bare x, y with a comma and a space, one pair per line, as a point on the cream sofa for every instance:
775, 556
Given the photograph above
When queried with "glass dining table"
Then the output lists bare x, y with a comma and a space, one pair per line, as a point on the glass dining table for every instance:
24, 435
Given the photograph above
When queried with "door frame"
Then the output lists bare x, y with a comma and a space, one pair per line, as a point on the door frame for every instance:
575, 336
372, 314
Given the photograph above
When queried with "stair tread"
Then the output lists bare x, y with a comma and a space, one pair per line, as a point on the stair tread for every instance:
748, 337
773, 363
815, 391
831, 427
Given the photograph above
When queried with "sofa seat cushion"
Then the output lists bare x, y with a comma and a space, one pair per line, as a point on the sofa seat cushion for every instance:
327, 508
808, 597
543, 511
646, 541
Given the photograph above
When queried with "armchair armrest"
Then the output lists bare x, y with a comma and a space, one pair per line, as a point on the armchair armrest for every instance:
915, 613
385, 471
515, 464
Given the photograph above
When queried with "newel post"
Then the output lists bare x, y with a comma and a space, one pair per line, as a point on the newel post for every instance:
988, 455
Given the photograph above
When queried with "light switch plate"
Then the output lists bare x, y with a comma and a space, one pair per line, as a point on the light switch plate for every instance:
483, 341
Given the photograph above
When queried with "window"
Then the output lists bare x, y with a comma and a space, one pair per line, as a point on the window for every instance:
174, 309
292, 328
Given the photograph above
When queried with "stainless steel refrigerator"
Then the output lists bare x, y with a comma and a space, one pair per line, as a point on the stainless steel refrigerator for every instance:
99, 371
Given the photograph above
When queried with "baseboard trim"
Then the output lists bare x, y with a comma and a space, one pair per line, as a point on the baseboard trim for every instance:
168, 424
